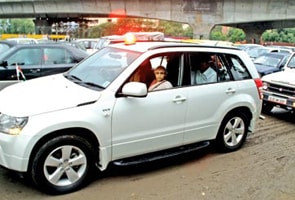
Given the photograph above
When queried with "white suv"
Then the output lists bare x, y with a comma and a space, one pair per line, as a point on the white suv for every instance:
279, 88
58, 128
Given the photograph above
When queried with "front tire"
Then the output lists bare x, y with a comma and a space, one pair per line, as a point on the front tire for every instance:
62, 164
232, 132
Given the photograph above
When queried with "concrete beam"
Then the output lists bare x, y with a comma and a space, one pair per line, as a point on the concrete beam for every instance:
202, 15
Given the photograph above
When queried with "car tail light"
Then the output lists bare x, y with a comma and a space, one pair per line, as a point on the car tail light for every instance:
259, 85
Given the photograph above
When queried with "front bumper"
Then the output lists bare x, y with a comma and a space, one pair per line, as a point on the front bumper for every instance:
279, 100
12, 153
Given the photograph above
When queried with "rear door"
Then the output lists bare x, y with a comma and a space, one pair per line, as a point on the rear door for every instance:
208, 103
56, 60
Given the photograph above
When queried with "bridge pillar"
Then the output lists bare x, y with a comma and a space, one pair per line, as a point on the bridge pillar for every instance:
253, 36
201, 31
254, 31
42, 26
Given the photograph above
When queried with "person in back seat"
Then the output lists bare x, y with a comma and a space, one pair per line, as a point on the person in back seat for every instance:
204, 73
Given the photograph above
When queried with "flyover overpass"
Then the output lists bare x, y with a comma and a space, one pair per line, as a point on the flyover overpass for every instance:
253, 16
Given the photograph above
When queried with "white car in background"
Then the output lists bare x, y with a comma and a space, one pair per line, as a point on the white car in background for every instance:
23, 40
88, 43
279, 88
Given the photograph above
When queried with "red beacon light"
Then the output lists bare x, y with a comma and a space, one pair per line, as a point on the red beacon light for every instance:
130, 38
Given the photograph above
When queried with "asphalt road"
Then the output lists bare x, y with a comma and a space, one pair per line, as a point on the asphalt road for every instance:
262, 170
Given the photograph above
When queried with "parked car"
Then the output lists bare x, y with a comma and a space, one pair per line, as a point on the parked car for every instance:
268, 63
5, 45
279, 88
23, 40
100, 112
73, 43
286, 49
37, 60
107, 40
247, 46
88, 43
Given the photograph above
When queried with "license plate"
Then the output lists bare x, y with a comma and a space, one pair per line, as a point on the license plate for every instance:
277, 100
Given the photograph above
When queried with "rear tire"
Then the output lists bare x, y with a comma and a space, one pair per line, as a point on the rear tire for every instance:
232, 132
63, 164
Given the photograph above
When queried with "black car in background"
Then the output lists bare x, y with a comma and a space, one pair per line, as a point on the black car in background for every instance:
5, 45
36, 60
268, 63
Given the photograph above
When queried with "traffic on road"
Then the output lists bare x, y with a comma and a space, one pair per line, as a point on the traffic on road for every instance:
78, 106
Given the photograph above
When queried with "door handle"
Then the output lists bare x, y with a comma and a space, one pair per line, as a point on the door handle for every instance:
230, 91
179, 99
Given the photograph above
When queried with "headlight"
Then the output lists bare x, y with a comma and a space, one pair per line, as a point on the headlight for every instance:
265, 86
12, 125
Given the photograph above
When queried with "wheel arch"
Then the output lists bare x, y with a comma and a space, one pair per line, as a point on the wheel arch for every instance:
243, 109
220, 142
82, 132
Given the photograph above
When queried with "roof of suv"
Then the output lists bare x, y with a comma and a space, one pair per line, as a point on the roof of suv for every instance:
145, 46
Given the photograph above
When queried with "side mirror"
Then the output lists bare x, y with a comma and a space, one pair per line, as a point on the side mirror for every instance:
4, 64
134, 89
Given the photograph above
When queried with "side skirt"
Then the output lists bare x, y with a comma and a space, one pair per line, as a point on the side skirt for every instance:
161, 154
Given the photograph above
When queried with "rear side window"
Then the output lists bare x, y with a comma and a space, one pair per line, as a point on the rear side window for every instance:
210, 68
237, 68
57, 56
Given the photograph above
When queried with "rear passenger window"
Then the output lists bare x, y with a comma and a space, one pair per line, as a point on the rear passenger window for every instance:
222, 67
57, 56
208, 68
238, 68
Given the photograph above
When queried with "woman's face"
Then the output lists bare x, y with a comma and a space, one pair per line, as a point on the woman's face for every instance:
160, 74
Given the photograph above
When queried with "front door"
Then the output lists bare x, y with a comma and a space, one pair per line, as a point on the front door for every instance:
152, 123
142, 125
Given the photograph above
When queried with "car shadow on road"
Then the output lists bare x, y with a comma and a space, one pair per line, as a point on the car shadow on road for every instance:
155, 166
21, 184
282, 114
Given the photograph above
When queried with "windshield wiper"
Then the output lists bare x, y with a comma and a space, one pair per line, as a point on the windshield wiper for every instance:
93, 85
72, 77
77, 80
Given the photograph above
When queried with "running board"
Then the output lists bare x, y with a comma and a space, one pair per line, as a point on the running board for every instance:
161, 154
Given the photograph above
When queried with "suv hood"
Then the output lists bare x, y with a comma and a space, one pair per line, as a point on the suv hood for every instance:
43, 94
285, 77
266, 69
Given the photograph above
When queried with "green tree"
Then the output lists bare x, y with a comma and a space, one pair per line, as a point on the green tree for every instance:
173, 29
21, 26
279, 35
188, 32
236, 35
216, 34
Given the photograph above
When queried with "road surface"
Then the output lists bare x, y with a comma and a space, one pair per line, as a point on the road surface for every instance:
264, 169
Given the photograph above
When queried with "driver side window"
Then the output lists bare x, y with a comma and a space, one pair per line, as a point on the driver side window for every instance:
27, 56
159, 72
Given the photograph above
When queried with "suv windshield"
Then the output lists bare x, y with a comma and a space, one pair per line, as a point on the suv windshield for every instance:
99, 70
291, 63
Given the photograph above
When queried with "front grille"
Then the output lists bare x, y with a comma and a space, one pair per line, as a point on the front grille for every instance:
289, 91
